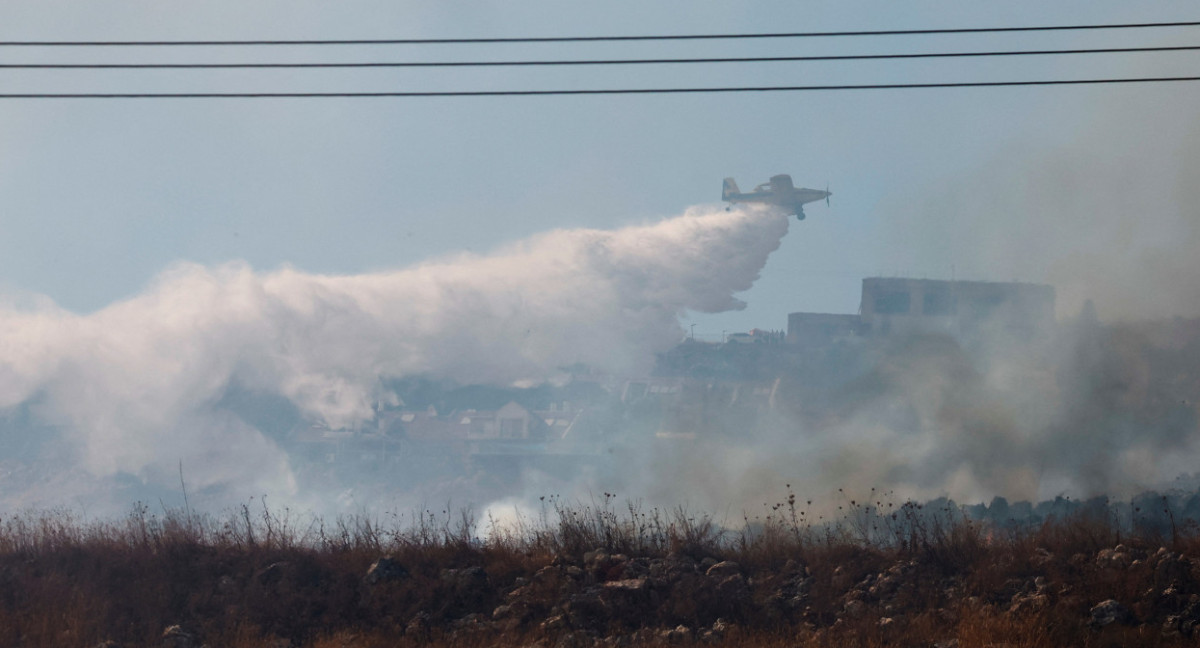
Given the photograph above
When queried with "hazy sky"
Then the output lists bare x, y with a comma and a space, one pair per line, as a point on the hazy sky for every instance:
156, 254
1039, 184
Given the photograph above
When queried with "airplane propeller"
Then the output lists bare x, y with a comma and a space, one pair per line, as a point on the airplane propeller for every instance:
827, 194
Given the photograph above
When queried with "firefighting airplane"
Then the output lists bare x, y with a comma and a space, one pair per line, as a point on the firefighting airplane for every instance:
779, 192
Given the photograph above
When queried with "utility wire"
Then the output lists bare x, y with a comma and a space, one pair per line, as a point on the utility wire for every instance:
573, 39
747, 59
604, 91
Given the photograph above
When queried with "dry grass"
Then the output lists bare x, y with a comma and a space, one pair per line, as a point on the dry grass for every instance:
881, 575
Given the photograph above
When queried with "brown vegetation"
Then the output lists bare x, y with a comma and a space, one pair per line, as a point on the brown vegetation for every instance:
907, 575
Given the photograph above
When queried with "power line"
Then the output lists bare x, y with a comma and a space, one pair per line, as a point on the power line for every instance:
745, 59
602, 91
566, 39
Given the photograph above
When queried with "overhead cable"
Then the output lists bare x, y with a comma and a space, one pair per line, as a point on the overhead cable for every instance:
572, 39
600, 91
744, 59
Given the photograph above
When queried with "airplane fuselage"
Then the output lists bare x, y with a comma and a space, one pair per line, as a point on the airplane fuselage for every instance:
779, 191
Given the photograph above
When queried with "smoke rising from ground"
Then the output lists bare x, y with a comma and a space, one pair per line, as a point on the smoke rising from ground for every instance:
1107, 213
1088, 410
132, 387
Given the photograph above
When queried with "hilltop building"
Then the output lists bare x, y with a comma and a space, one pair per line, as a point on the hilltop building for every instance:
966, 309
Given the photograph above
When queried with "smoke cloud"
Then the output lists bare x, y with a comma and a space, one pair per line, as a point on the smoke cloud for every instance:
131, 389
128, 394
1106, 213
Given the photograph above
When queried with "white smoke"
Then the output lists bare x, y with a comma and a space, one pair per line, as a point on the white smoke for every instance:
133, 385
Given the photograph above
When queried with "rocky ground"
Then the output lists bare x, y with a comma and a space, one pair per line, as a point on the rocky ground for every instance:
579, 583
869, 599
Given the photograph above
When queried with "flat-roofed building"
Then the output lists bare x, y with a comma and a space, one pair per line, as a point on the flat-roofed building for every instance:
821, 328
899, 306
896, 306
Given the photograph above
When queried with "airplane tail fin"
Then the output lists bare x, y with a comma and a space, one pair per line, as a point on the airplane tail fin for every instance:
728, 189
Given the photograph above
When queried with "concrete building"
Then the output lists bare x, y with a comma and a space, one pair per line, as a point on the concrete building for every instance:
898, 306
821, 328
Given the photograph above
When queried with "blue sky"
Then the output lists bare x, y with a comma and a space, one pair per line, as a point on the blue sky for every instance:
97, 198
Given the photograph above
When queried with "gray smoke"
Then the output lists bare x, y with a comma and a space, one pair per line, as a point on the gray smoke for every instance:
1109, 213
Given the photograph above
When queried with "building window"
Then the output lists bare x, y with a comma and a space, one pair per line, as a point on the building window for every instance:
893, 302
986, 304
939, 302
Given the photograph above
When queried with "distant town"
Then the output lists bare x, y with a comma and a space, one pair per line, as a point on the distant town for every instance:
811, 376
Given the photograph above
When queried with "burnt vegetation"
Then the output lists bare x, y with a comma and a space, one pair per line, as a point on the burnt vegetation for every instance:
879, 574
